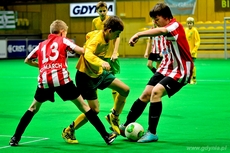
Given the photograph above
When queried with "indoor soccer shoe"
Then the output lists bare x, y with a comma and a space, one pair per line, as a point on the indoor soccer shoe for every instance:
148, 137
110, 138
13, 141
69, 136
122, 130
114, 122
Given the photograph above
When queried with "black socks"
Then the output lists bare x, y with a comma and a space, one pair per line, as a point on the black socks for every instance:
24, 122
136, 110
96, 122
154, 70
155, 110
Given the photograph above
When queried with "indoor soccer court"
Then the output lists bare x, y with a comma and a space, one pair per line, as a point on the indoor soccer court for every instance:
194, 120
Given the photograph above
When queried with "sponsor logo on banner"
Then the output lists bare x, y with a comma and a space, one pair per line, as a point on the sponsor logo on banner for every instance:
7, 20
88, 9
181, 7
16, 48
32, 44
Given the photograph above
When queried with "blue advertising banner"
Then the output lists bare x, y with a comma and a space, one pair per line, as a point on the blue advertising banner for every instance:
16, 48
182, 7
31, 44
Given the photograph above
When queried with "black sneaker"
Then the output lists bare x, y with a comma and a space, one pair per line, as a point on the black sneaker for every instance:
110, 138
14, 141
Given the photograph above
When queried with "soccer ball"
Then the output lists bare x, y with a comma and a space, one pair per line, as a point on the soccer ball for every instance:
134, 131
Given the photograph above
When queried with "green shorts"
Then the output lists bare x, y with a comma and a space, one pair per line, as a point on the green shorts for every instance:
88, 86
115, 65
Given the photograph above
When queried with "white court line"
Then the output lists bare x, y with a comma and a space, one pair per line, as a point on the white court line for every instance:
38, 139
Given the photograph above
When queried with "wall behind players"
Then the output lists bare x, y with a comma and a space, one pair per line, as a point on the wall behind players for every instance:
41, 15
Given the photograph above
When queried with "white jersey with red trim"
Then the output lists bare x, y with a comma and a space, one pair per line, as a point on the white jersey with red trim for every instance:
52, 61
177, 62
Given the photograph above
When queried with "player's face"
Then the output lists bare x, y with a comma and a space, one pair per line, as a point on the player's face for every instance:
160, 21
102, 11
114, 35
190, 24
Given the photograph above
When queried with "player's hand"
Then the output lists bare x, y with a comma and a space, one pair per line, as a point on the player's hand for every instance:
114, 57
133, 40
146, 55
106, 66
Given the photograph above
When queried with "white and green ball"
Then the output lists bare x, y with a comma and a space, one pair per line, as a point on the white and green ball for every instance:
134, 131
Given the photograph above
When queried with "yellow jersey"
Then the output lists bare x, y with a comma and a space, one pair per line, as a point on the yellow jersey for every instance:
97, 24
95, 47
193, 39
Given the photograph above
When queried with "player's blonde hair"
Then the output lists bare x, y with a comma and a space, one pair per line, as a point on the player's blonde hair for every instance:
190, 19
58, 25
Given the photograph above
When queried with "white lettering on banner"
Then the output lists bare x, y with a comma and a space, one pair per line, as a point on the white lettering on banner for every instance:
88, 9
31, 47
16, 48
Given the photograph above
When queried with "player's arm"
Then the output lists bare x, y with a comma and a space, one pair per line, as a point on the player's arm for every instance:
93, 59
79, 50
147, 50
31, 62
151, 32
71, 47
31, 58
93, 26
197, 42
116, 46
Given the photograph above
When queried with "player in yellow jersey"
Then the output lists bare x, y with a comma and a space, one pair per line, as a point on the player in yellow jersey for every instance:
111, 55
94, 73
193, 38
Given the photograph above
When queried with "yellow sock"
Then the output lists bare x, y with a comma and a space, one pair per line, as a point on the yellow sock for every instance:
114, 94
119, 104
79, 121
194, 73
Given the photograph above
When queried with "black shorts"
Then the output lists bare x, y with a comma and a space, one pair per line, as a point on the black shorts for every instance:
155, 57
171, 85
89, 86
67, 92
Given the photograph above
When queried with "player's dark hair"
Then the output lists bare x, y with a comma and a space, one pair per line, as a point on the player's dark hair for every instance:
114, 23
101, 4
161, 9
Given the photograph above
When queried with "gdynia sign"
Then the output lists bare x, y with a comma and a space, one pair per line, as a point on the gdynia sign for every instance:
88, 9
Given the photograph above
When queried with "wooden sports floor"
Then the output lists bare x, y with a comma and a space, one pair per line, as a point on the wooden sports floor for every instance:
196, 119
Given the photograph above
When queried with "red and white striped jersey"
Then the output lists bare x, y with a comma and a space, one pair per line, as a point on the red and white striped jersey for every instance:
52, 61
157, 44
177, 62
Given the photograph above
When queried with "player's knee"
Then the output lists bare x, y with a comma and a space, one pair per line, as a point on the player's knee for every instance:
125, 92
145, 97
96, 110
156, 95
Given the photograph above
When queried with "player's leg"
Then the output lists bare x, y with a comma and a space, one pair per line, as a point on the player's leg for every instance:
123, 91
193, 79
151, 58
137, 108
91, 115
24, 122
166, 86
41, 95
115, 69
71, 92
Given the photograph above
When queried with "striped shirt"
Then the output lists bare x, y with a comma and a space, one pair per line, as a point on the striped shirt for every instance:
52, 61
177, 61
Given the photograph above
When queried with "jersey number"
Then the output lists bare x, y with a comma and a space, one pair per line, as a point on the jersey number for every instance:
54, 50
